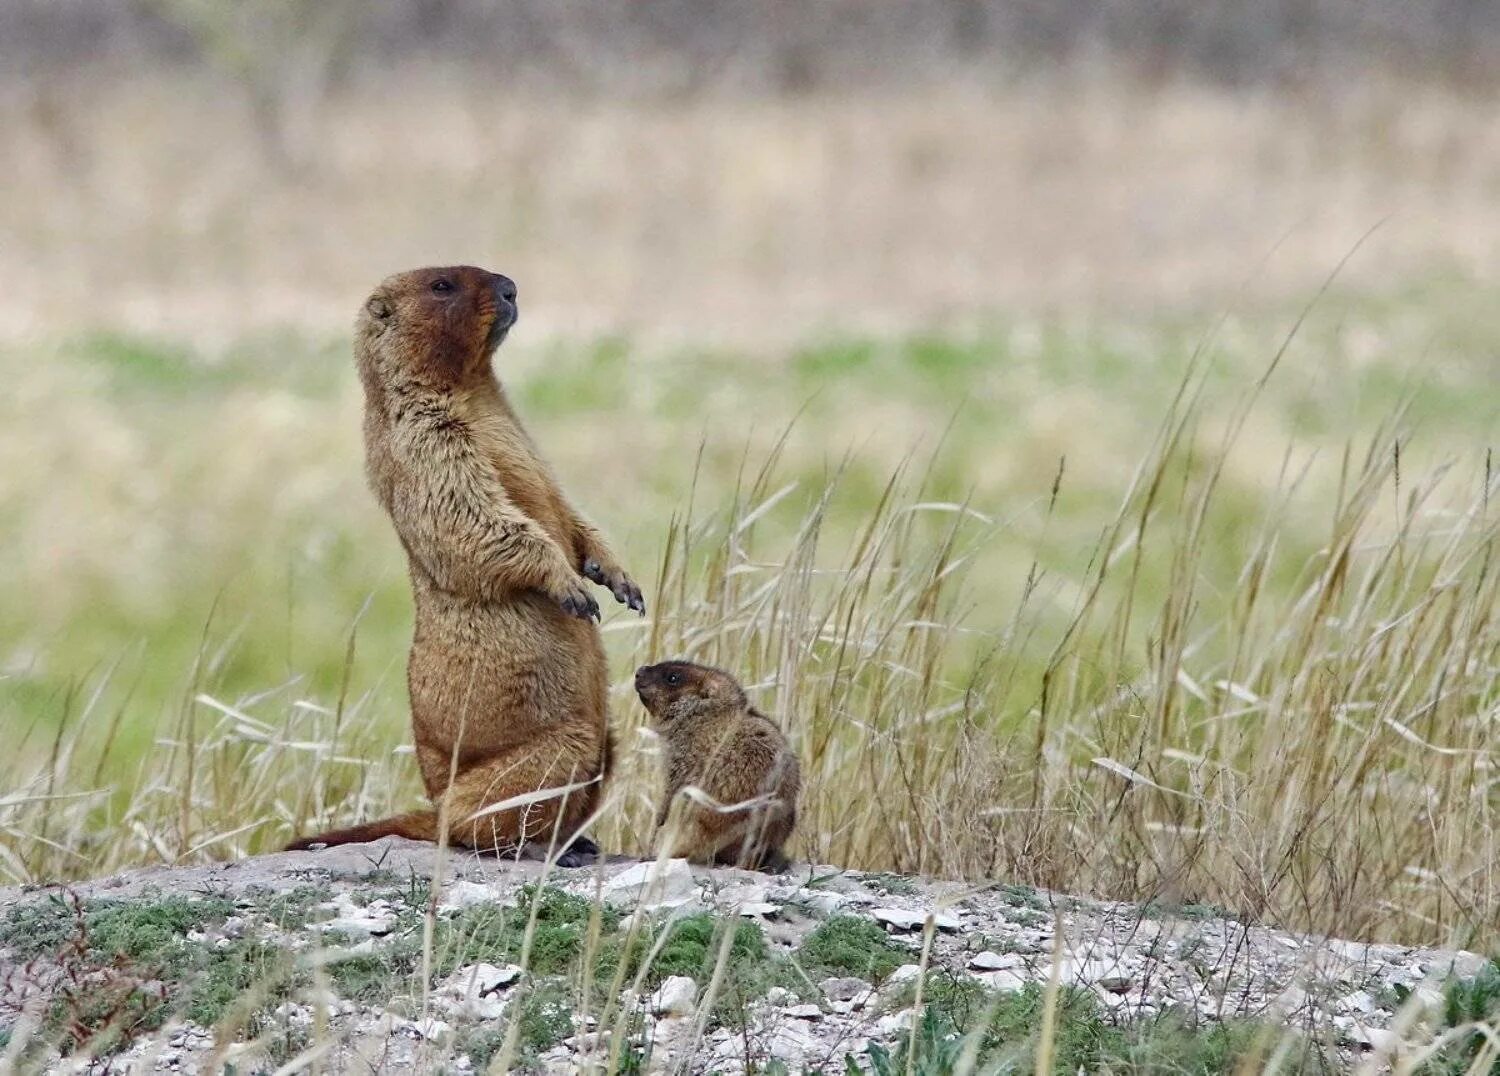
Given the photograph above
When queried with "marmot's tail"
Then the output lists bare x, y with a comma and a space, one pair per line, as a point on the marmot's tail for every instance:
418, 826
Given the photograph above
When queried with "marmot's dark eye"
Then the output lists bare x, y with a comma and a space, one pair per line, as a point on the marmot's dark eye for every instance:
442, 285
674, 678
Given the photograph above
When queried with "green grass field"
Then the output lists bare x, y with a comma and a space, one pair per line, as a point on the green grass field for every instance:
1083, 604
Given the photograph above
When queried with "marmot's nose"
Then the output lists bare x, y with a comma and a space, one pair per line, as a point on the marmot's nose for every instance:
505, 287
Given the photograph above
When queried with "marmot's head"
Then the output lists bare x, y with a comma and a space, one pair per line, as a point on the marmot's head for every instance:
677, 689
436, 326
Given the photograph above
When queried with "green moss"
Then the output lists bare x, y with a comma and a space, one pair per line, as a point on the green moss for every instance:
481, 1044
496, 934
225, 976
934, 1050
152, 932
1162, 909
1007, 1025
1022, 896
1466, 1002
42, 926
849, 945
692, 947
295, 908
376, 976
546, 1018
546, 1015
891, 884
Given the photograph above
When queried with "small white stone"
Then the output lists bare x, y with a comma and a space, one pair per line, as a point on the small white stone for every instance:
906, 973
473, 993
1290, 1000
780, 995
891, 1023
845, 989
363, 923
758, 909
677, 996
588, 1041
666, 884
1361, 1034
791, 1044
461, 895
428, 1028
904, 920
803, 1012
1360, 1001
1075, 972
1004, 980
670, 1036
988, 961
826, 903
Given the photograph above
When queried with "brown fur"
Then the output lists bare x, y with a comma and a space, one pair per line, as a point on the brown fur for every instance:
715, 740
507, 671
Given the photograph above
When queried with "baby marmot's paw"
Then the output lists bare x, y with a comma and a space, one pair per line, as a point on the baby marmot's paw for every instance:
618, 583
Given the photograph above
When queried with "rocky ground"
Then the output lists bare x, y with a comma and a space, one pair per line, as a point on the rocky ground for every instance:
349, 959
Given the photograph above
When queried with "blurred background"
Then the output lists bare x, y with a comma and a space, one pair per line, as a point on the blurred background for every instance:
993, 237
748, 170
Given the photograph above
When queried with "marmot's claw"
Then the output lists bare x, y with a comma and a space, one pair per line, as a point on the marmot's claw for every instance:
581, 605
617, 582
628, 594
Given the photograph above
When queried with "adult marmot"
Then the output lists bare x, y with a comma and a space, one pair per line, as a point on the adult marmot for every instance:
734, 755
507, 671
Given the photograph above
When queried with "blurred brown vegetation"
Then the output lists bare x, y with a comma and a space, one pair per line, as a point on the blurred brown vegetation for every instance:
663, 47
731, 169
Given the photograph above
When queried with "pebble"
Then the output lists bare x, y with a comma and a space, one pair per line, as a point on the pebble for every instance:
429, 1028
891, 1023
904, 920
906, 973
1004, 980
474, 992
461, 895
792, 1045
677, 996
988, 961
844, 989
653, 885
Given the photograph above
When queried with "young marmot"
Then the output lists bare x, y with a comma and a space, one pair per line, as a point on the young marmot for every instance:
733, 754
507, 673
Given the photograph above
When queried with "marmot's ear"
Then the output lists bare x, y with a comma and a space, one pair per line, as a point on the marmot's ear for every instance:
380, 309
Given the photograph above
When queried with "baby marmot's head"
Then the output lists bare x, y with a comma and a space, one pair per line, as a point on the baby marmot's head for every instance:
438, 325
677, 689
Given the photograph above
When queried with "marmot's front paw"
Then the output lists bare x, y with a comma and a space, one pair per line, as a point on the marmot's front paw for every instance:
576, 601
619, 584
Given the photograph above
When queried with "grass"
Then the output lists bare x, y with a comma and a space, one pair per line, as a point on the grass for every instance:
126, 967
1125, 627
850, 945
962, 1025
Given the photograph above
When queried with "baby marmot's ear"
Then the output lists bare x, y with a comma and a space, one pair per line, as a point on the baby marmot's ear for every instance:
379, 308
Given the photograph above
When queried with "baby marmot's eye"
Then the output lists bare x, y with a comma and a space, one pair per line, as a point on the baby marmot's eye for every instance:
674, 678
441, 286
